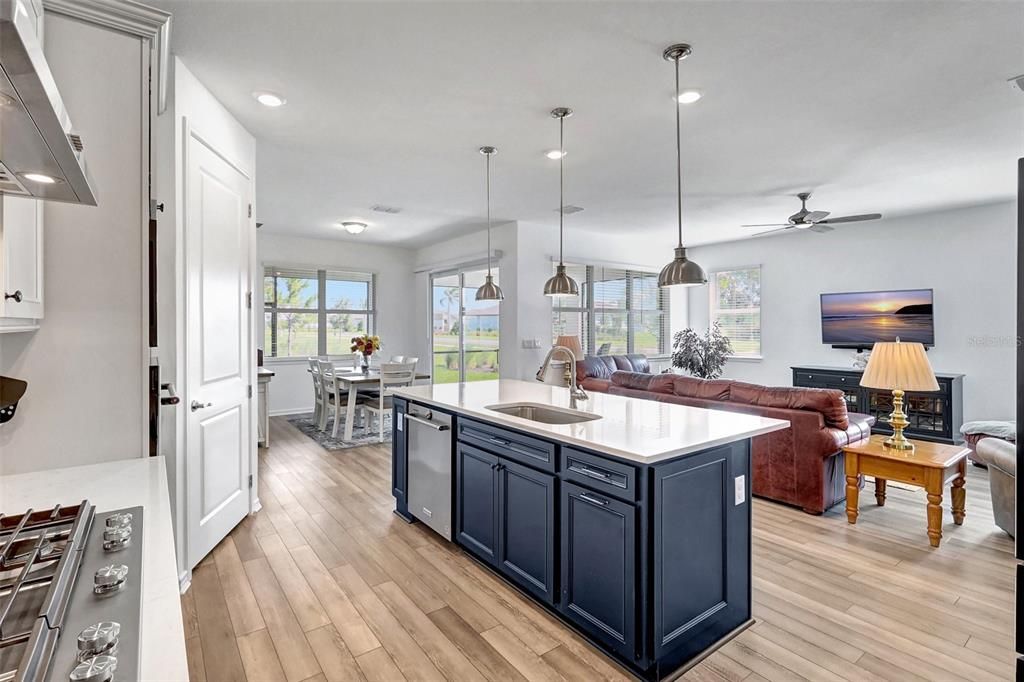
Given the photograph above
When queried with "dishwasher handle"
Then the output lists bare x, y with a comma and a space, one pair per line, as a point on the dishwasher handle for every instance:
425, 420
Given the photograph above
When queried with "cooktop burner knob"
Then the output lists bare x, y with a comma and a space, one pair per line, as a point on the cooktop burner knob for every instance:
94, 669
119, 520
116, 538
98, 638
108, 579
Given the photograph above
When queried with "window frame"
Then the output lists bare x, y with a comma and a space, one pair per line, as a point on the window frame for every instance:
713, 308
587, 311
321, 275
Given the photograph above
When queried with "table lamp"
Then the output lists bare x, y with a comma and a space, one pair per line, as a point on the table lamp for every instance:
899, 367
572, 342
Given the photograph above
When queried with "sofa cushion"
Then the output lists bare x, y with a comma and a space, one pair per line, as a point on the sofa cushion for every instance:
596, 366
633, 362
829, 402
638, 381
706, 389
1000, 454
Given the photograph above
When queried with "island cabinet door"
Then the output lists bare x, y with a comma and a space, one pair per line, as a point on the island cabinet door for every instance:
599, 587
526, 523
701, 549
476, 520
399, 453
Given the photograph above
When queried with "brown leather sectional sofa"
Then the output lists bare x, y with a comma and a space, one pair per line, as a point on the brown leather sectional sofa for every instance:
802, 465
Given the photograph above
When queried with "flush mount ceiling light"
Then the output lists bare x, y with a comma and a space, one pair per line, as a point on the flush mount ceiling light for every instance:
555, 154
353, 227
489, 291
681, 271
689, 96
561, 284
41, 178
269, 99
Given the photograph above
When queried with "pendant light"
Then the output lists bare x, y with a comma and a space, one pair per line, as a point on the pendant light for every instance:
681, 271
561, 284
489, 291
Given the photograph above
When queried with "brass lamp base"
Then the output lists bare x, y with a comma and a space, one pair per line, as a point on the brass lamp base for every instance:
898, 421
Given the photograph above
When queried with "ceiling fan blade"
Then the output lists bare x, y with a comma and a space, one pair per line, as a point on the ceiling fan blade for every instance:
816, 216
770, 225
777, 229
821, 228
852, 218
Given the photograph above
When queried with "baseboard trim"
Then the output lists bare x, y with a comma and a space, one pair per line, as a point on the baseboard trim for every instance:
287, 412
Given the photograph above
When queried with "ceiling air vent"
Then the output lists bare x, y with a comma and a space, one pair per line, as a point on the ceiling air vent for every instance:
379, 208
570, 209
1017, 82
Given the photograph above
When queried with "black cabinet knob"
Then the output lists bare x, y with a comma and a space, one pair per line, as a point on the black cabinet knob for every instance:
17, 296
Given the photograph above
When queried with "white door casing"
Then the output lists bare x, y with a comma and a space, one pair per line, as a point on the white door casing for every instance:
219, 421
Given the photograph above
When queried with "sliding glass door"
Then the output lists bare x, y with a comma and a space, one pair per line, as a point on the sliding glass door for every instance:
464, 330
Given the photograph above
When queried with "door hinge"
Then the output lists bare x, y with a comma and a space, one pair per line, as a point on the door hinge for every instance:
250, 481
249, 390
250, 210
154, 207
248, 299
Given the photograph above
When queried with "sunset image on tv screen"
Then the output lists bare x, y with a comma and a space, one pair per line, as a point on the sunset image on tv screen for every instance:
870, 316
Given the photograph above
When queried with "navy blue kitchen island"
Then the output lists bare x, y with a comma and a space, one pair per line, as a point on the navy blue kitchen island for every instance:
633, 526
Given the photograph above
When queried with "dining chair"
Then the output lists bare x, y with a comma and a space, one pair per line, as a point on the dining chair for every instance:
318, 392
398, 358
392, 375
332, 399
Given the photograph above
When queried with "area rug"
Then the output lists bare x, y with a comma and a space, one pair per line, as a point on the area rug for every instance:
360, 434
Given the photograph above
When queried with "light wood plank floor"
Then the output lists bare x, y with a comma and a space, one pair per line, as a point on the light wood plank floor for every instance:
327, 584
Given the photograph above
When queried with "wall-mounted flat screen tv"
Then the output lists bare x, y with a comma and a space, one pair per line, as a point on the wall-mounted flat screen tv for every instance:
858, 319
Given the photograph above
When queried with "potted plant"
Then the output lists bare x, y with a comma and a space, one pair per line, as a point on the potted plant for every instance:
365, 345
701, 356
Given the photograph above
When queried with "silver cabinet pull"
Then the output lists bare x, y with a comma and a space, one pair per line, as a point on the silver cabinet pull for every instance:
593, 500
17, 296
196, 405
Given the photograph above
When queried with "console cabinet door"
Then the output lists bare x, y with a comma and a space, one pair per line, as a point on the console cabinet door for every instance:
21, 266
701, 544
599, 589
476, 523
526, 522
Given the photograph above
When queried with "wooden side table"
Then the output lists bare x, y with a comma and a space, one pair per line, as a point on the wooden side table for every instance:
929, 465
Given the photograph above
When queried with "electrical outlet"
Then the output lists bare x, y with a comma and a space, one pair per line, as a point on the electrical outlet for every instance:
741, 490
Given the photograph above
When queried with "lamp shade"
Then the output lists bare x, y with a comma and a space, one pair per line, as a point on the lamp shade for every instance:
572, 342
899, 366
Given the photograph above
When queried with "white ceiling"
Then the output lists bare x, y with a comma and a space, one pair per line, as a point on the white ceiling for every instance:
894, 107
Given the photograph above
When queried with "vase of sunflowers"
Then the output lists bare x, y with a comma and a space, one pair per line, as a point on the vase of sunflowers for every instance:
365, 345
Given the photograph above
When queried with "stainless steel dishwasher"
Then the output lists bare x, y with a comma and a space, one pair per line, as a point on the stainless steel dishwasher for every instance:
429, 438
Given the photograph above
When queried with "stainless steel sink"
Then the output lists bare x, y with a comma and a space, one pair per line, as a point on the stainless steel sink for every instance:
544, 414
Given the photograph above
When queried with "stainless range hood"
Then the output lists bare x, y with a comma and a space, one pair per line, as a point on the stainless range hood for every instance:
40, 154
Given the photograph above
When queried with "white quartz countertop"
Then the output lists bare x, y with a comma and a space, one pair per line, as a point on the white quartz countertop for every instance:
114, 485
630, 428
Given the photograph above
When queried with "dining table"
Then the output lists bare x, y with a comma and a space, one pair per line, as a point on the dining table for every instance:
349, 381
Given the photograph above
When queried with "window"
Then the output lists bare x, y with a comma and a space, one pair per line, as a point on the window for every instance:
736, 306
315, 312
617, 311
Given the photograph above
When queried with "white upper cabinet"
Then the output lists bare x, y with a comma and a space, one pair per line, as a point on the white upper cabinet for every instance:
21, 263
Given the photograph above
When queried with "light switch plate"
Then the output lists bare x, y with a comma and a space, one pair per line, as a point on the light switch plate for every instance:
741, 490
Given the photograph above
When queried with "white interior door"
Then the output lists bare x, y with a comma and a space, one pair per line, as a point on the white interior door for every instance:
218, 347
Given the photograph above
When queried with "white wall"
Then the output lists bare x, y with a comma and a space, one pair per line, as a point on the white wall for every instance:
84, 366
291, 390
967, 256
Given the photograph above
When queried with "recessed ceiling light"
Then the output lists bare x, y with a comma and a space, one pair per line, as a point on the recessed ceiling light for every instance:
689, 96
269, 99
555, 154
353, 227
41, 178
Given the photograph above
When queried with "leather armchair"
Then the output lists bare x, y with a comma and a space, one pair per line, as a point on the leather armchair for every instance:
1001, 458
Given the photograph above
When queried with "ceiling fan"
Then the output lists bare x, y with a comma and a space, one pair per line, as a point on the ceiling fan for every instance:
815, 221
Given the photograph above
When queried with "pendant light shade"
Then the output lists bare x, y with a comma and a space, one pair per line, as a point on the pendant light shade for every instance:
561, 284
489, 291
681, 271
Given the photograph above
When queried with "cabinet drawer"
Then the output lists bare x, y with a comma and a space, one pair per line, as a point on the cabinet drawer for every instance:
509, 444
825, 380
613, 478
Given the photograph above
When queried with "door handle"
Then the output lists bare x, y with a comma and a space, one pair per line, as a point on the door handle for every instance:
17, 296
196, 405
